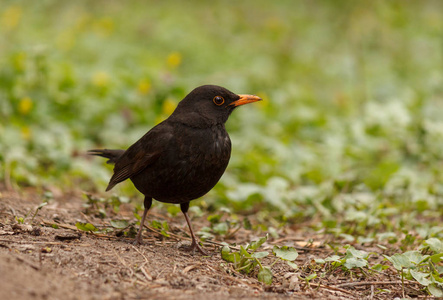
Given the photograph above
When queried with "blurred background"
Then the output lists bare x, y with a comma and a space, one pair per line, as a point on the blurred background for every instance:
350, 129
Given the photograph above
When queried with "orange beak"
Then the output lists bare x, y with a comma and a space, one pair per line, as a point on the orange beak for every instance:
245, 99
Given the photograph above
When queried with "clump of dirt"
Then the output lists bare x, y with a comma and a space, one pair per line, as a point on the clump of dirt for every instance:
38, 261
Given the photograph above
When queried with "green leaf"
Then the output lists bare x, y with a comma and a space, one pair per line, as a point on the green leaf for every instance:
380, 174
173, 210
265, 275
334, 258
415, 256
165, 225
233, 257
420, 277
434, 244
292, 265
137, 216
213, 219
120, 224
85, 226
247, 224
255, 245
311, 276
352, 252
156, 224
354, 262
379, 267
285, 253
260, 254
226, 254
399, 261
221, 228
244, 253
436, 257
42, 205
435, 290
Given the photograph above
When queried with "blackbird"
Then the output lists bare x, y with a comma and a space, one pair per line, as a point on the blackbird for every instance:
183, 157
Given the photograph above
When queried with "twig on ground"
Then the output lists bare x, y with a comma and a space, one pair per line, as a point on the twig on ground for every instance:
122, 261
350, 284
86, 217
232, 233
42, 242
331, 288
142, 268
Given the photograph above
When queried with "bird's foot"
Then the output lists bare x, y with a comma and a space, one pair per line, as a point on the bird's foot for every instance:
196, 246
138, 241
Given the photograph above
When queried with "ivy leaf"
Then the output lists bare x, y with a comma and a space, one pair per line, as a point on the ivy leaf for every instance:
85, 226
119, 224
260, 254
415, 257
137, 216
221, 228
435, 290
285, 253
311, 276
420, 277
226, 254
379, 267
255, 245
434, 244
352, 252
399, 261
214, 219
42, 205
265, 275
354, 262
333, 258
244, 253
436, 257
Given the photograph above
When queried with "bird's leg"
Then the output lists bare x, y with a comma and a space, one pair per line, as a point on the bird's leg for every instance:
184, 207
147, 204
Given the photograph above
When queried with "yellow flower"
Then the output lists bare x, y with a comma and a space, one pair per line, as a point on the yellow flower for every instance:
144, 86
104, 26
168, 106
66, 40
26, 132
174, 59
25, 105
11, 17
19, 61
100, 79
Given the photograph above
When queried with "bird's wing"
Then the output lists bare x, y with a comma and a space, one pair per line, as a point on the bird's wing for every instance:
141, 154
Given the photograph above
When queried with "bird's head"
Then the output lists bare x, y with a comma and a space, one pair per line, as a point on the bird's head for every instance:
210, 104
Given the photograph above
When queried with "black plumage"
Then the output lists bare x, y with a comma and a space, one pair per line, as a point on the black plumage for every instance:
183, 157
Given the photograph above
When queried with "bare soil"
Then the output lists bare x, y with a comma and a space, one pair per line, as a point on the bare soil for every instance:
38, 261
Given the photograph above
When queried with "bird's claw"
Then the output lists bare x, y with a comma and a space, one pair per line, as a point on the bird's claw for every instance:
197, 246
138, 241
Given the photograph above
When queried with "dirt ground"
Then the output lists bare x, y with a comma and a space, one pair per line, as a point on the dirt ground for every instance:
38, 261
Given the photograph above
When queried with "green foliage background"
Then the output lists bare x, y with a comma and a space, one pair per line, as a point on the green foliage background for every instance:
350, 129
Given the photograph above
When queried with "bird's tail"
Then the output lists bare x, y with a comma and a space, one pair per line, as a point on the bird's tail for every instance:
112, 155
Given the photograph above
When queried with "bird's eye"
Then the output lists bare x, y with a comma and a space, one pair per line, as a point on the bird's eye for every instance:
218, 100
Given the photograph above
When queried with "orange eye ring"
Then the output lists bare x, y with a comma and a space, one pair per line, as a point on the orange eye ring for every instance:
218, 100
